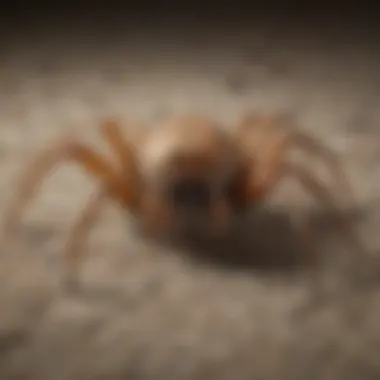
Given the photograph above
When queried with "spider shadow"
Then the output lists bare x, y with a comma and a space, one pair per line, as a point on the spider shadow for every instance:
266, 242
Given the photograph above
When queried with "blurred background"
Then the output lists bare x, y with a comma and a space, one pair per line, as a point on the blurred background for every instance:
147, 311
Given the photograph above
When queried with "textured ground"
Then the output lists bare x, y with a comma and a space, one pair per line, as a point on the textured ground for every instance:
147, 312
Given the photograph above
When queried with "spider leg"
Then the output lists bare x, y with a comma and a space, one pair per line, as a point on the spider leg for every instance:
271, 148
304, 228
265, 148
95, 165
276, 169
29, 181
150, 209
311, 145
75, 250
272, 169
46, 161
111, 132
261, 128
319, 191
265, 176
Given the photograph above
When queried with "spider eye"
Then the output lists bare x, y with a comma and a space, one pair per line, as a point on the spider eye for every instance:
190, 194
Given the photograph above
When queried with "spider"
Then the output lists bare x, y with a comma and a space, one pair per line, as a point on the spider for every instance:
187, 173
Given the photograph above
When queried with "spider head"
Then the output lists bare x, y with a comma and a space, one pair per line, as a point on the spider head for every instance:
189, 165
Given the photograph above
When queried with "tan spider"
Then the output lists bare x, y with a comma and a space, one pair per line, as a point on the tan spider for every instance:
186, 173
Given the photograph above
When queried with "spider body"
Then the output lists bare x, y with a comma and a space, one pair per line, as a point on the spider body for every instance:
188, 173
187, 167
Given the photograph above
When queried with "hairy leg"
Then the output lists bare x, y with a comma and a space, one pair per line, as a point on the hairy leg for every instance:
260, 131
276, 168
272, 144
268, 168
271, 167
320, 193
45, 162
29, 181
361, 254
311, 145
307, 237
111, 132
125, 154
76, 250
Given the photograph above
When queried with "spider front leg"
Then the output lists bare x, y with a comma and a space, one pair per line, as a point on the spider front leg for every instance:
46, 162
148, 205
76, 249
119, 188
119, 184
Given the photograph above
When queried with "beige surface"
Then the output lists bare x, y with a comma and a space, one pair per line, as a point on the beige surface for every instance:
146, 313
